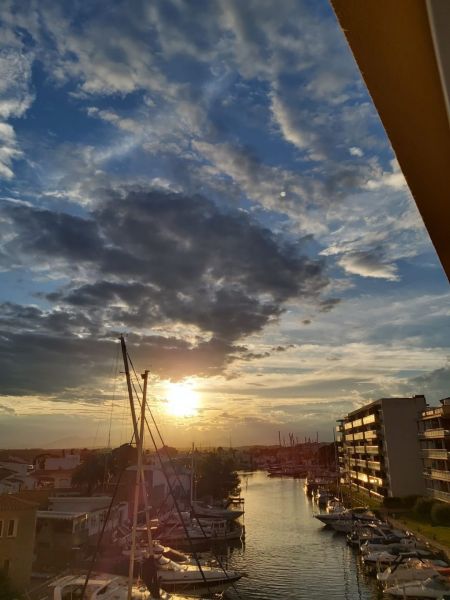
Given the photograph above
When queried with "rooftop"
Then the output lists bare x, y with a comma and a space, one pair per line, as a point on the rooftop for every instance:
11, 502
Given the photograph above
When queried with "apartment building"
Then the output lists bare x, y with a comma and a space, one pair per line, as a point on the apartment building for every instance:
17, 535
434, 435
379, 450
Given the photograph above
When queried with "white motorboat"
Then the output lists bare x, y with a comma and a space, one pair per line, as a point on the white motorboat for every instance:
435, 587
173, 576
194, 532
412, 569
377, 559
359, 513
404, 545
202, 510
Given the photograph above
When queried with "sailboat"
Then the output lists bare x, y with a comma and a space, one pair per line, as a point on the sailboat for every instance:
114, 587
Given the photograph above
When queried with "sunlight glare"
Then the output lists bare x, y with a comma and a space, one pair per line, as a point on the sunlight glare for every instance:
182, 400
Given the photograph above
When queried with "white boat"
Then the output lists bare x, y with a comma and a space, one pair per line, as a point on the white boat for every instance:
174, 577
195, 532
187, 575
376, 559
106, 587
359, 513
202, 510
435, 587
404, 545
412, 569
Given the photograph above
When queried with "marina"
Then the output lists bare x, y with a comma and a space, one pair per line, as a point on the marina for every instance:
289, 554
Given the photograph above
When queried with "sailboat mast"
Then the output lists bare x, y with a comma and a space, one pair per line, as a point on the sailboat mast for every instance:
136, 433
192, 475
130, 389
139, 472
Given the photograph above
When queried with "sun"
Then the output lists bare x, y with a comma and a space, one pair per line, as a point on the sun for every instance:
182, 399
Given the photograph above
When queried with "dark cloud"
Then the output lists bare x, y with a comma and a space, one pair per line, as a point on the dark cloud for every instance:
435, 385
326, 305
142, 259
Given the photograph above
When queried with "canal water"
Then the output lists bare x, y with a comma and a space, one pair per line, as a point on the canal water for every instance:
287, 553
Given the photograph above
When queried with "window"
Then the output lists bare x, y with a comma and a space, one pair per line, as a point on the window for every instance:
12, 528
1, 527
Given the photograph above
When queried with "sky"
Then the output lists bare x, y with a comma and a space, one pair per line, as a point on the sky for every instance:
212, 180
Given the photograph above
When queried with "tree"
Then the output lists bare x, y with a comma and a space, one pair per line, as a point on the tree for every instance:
91, 473
216, 476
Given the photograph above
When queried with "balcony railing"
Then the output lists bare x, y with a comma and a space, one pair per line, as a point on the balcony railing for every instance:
369, 419
445, 496
437, 474
435, 413
374, 464
372, 450
436, 433
370, 435
436, 453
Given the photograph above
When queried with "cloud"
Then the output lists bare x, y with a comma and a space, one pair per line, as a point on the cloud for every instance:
145, 260
435, 385
370, 263
15, 77
15, 99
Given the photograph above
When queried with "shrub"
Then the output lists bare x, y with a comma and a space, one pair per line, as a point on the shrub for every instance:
422, 507
440, 514
393, 502
409, 501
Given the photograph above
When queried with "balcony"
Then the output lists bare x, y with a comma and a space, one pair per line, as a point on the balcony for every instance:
435, 413
361, 463
372, 450
437, 474
369, 419
376, 481
374, 464
358, 436
348, 425
435, 433
436, 453
370, 435
359, 449
444, 496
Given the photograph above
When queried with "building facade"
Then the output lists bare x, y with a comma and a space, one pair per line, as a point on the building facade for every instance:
17, 535
379, 450
434, 435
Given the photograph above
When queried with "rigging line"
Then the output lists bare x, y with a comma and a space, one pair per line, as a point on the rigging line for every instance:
180, 483
113, 396
216, 556
108, 513
205, 581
